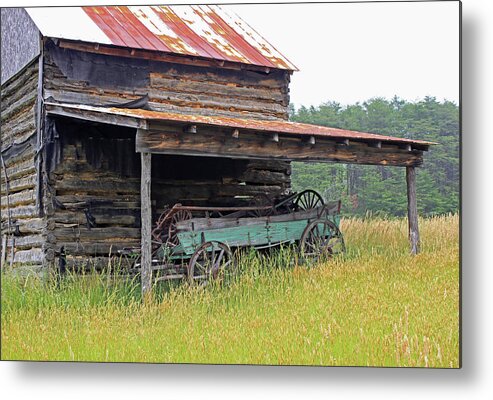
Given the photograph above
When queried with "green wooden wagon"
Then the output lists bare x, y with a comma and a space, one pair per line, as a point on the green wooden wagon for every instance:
197, 243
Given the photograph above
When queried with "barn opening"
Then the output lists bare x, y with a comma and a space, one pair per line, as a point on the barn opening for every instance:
95, 184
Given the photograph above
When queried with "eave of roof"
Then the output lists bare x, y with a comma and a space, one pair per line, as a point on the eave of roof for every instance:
139, 118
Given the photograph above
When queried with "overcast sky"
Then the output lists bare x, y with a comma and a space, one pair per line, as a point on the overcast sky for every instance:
352, 52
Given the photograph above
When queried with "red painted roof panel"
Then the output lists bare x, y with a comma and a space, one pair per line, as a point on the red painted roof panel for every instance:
204, 31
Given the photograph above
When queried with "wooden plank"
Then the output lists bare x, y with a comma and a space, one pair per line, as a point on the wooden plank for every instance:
260, 146
95, 116
412, 210
200, 224
158, 56
253, 235
146, 217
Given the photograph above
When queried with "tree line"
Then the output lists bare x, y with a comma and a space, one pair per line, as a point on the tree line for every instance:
382, 189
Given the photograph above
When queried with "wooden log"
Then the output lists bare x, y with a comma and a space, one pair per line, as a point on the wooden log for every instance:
20, 212
16, 185
253, 146
116, 263
271, 165
109, 217
412, 210
19, 106
26, 155
29, 86
146, 217
264, 177
217, 88
83, 234
27, 242
203, 100
22, 169
90, 249
12, 87
93, 185
33, 256
97, 201
20, 198
32, 225
18, 129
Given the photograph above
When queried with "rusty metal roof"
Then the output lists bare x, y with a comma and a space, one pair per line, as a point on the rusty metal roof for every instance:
269, 126
207, 31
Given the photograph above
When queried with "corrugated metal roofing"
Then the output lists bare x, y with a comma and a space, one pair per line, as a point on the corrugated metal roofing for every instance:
207, 31
284, 127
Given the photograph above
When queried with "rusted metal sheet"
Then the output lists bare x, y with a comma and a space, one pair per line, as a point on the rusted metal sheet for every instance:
269, 126
206, 31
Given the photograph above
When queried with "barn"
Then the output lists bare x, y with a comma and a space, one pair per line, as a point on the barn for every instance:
111, 114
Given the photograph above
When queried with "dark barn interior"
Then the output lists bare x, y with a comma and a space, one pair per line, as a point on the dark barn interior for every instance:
94, 186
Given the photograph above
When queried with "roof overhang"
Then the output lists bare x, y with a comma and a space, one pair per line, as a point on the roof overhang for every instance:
185, 134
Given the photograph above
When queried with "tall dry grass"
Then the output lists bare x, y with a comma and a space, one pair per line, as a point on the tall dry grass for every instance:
376, 306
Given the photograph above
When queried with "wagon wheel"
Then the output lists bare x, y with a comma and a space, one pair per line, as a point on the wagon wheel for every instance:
262, 200
307, 200
180, 215
212, 260
321, 238
159, 230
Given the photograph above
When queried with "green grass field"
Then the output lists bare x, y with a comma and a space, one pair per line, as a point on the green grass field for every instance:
375, 306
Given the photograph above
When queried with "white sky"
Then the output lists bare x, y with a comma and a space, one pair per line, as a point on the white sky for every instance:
352, 52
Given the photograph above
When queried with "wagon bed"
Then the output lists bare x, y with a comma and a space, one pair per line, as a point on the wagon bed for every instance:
199, 248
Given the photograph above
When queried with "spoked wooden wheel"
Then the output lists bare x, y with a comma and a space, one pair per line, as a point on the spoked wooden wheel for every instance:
179, 216
212, 260
321, 238
307, 200
261, 201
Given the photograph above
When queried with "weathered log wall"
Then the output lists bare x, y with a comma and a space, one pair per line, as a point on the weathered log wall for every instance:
18, 178
77, 77
95, 205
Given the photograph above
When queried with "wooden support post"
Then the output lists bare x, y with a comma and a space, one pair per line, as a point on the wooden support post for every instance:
146, 216
412, 209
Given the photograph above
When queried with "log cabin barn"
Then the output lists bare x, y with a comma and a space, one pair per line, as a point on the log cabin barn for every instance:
110, 114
